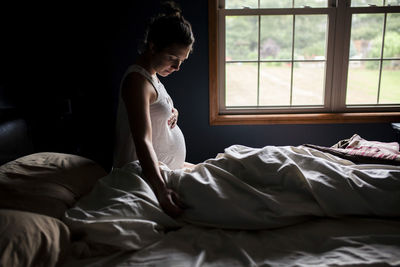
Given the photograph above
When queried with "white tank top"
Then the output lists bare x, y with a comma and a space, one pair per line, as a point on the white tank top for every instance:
169, 144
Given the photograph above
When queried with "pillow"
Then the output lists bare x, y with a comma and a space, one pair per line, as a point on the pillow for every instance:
47, 183
29, 239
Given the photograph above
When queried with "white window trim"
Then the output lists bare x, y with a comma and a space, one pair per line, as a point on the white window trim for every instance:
333, 111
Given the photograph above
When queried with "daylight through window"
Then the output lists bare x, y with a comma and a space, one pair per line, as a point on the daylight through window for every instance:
312, 59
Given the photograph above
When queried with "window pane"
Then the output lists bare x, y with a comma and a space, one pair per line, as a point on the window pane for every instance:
310, 36
390, 91
392, 36
275, 84
241, 84
233, 4
362, 82
393, 2
241, 38
276, 37
359, 3
366, 35
308, 83
239, 4
311, 3
275, 4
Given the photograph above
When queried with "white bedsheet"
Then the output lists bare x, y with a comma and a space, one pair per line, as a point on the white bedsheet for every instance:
318, 242
242, 189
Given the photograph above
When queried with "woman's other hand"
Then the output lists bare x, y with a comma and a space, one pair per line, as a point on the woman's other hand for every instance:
173, 120
170, 201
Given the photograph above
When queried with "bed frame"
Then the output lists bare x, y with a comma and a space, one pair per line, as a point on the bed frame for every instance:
320, 242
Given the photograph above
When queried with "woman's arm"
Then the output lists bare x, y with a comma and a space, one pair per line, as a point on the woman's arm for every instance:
138, 94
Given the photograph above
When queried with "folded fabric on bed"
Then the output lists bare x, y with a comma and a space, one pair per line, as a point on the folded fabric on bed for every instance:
242, 188
363, 151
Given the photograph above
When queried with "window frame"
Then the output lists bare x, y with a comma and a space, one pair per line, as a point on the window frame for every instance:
335, 78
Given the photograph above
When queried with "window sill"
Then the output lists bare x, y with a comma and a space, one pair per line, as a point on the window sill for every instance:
319, 118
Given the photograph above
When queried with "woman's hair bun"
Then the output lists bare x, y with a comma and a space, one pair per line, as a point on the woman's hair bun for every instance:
168, 27
170, 8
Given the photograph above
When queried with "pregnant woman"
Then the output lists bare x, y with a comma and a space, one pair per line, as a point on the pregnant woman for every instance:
146, 128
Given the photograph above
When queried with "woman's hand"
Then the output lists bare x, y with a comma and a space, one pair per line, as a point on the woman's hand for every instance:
170, 201
173, 119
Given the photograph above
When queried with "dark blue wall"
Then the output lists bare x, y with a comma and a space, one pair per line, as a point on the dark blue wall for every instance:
77, 53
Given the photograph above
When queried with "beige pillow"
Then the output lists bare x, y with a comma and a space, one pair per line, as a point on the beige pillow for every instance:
47, 183
29, 239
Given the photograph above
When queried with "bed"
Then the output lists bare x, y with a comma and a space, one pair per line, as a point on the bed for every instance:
271, 206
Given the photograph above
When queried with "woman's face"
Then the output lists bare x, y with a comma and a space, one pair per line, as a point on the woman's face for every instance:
170, 58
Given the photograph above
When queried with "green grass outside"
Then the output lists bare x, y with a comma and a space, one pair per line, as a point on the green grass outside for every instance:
308, 85
363, 87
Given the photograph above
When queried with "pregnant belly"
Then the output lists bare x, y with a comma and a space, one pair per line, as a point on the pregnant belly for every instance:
170, 148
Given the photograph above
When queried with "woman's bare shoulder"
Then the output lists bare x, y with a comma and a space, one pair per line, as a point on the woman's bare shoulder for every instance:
136, 85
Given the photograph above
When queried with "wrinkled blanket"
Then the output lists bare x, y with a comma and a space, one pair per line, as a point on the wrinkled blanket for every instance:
242, 188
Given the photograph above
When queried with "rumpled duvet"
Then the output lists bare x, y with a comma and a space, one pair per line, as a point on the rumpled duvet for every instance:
241, 189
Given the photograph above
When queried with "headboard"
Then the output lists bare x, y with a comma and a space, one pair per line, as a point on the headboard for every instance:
15, 139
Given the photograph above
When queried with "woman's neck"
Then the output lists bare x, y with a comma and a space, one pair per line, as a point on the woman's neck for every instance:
144, 60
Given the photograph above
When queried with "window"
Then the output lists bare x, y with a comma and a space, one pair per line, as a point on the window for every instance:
304, 61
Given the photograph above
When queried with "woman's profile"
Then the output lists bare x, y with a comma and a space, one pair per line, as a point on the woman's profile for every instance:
146, 128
